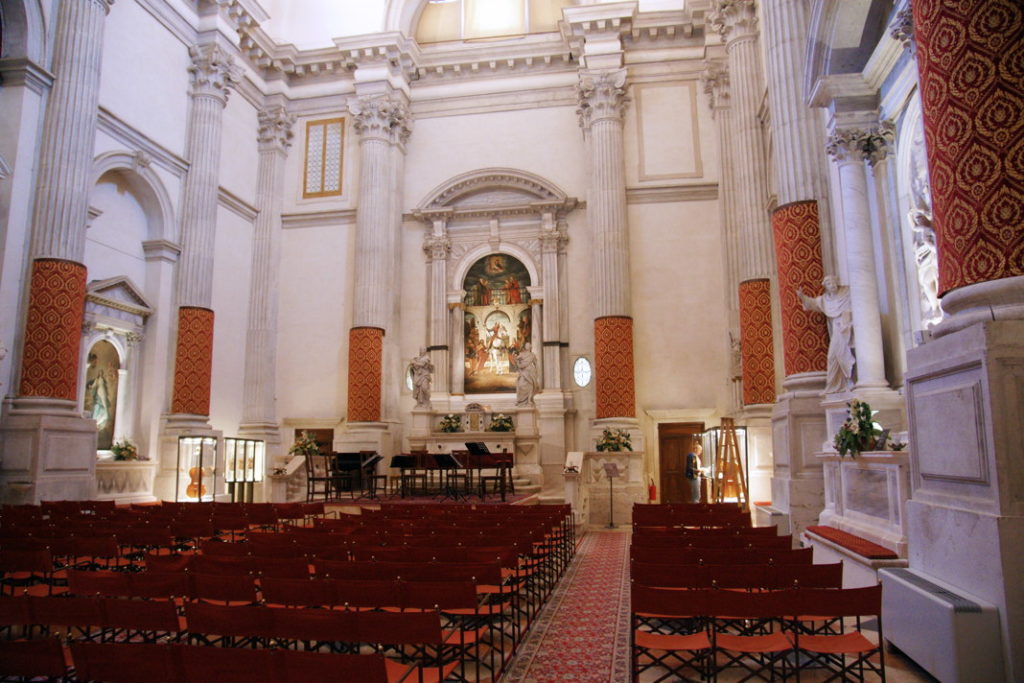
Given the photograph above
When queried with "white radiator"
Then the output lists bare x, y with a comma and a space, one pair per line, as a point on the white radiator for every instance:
954, 637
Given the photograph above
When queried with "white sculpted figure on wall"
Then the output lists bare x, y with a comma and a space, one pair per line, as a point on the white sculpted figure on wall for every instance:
835, 304
422, 376
926, 255
526, 383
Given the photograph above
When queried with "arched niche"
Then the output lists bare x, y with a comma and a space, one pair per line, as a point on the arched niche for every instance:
24, 30
505, 214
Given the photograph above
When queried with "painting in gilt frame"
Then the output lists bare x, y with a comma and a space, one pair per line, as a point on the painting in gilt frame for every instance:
497, 322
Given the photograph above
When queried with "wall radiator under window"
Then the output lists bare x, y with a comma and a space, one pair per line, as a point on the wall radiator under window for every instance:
953, 637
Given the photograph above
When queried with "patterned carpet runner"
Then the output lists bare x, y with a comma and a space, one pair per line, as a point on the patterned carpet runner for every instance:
582, 634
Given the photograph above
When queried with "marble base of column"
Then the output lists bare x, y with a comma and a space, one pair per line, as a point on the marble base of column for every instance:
992, 300
551, 408
49, 452
382, 437
758, 421
966, 416
798, 430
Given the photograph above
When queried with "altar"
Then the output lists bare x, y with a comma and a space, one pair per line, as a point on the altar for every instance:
587, 488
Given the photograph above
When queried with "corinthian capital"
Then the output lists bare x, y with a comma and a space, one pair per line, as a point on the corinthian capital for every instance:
729, 15
715, 78
382, 116
275, 128
437, 247
870, 145
213, 70
602, 95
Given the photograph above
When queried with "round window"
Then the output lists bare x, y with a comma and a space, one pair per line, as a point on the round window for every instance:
582, 371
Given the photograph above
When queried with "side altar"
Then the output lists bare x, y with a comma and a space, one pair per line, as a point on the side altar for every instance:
588, 491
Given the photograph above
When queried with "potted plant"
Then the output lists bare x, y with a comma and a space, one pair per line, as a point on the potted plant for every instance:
614, 439
305, 445
500, 423
861, 433
451, 423
124, 450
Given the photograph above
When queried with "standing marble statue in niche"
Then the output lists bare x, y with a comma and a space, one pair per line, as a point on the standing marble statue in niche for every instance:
835, 304
526, 383
926, 254
422, 376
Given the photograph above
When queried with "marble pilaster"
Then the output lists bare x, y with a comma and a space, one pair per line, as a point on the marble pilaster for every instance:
259, 417
437, 247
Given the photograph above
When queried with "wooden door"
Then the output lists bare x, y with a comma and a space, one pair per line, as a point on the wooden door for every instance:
675, 440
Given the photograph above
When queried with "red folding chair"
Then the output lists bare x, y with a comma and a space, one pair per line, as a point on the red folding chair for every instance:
849, 655
33, 658
668, 634
227, 627
760, 648
127, 662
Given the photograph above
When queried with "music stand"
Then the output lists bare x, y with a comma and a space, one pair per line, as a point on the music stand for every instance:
477, 448
369, 469
611, 469
449, 467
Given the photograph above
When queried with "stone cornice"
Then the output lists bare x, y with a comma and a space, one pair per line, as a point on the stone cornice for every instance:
317, 219
15, 71
658, 194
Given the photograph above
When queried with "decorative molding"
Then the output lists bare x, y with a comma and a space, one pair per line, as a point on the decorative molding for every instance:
384, 116
172, 20
602, 95
870, 145
715, 79
236, 204
318, 219
275, 128
214, 71
663, 194
535, 191
557, 96
118, 293
132, 138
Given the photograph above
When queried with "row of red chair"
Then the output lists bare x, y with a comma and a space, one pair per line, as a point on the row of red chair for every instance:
740, 576
679, 556
684, 633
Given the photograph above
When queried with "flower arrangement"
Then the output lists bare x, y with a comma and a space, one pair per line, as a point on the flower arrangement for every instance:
125, 450
451, 423
500, 423
613, 439
571, 469
860, 432
306, 444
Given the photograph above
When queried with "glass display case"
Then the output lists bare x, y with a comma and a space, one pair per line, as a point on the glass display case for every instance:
198, 476
243, 467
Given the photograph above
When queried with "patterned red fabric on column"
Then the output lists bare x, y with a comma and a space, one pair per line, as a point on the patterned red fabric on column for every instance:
53, 329
798, 254
193, 361
365, 364
756, 348
971, 61
613, 350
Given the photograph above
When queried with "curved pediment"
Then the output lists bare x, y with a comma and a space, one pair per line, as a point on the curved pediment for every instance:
492, 188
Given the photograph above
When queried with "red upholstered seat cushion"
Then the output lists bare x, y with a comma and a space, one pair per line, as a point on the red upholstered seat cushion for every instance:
859, 545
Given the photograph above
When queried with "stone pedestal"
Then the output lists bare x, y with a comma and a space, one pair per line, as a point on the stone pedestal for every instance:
49, 453
965, 522
867, 496
758, 420
422, 421
574, 496
550, 416
798, 429
626, 489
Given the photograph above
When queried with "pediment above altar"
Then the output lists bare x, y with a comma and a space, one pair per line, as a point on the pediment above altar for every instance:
118, 298
496, 190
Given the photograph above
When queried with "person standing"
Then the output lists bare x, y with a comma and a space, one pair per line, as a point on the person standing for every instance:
693, 471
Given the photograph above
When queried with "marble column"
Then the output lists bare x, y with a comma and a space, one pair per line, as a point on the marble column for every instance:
799, 226
213, 74
438, 247
602, 102
965, 405
383, 124
716, 84
49, 450
851, 149
259, 416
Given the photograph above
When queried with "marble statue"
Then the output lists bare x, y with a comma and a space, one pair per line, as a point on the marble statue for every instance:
926, 255
835, 304
422, 376
526, 383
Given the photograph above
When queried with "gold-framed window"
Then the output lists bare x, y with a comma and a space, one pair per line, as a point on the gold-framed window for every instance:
325, 145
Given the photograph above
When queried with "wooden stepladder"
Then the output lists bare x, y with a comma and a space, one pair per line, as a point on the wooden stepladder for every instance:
729, 481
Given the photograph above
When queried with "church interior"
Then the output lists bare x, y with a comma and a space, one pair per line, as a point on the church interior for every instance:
590, 261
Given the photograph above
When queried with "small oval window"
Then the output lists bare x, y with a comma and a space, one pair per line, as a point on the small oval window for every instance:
582, 371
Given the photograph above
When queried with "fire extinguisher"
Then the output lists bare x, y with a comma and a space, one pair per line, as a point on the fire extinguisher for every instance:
652, 492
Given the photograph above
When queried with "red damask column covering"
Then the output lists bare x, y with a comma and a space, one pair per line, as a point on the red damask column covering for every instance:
613, 345
193, 361
365, 365
756, 342
798, 256
971, 61
53, 329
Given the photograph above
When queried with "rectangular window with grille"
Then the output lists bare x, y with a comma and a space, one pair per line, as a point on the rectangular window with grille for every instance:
324, 144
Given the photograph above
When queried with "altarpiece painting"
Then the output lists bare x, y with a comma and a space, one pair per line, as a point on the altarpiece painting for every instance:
497, 322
